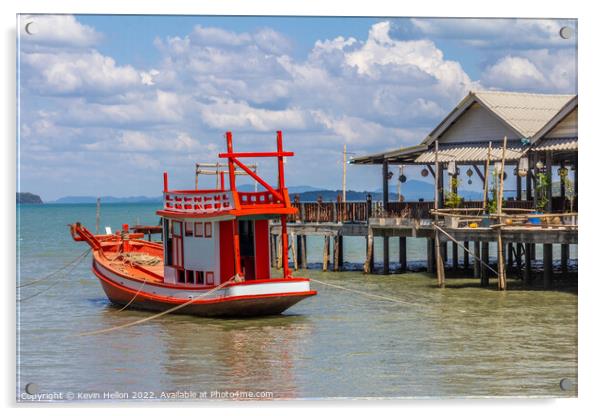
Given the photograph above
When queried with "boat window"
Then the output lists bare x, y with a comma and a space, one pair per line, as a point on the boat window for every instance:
198, 229
209, 278
181, 276
190, 276
208, 230
177, 228
245, 231
188, 229
200, 278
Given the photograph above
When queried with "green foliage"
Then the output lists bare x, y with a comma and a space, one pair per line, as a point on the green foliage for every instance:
541, 187
452, 199
569, 190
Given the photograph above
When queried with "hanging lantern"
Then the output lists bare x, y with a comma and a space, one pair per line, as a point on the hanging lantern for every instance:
505, 175
470, 181
451, 168
402, 178
497, 167
523, 167
389, 175
539, 165
563, 172
424, 172
469, 172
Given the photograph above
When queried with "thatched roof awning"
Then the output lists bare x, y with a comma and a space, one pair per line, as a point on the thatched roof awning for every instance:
471, 153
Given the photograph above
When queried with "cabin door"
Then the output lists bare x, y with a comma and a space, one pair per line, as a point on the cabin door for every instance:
177, 245
247, 248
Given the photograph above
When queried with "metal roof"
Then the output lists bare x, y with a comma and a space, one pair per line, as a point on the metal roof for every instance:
565, 144
404, 154
471, 152
524, 113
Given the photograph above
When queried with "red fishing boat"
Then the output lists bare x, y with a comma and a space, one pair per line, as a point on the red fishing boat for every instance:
214, 259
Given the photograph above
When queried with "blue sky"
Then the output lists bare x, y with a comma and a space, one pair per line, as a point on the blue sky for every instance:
109, 102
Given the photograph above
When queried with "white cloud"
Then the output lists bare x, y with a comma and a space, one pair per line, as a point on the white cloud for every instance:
534, 70
56, 31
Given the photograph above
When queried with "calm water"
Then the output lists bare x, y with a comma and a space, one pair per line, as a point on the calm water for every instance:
460, 341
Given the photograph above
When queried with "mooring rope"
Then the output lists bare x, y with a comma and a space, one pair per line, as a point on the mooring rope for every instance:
74, 265
150, 318
78, 258
370, 295
135, 296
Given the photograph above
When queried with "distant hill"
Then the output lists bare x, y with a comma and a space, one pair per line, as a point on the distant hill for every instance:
107, 200
28, 198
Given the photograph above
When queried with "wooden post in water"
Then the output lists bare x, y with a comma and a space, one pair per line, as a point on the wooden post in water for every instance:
501, 267
369, 263
547, 266
403, 254
466, 256
294, 252
477, 265
455, 256
335, 254
279, 262
340, 257
485, 260
386, 210
304, 255
439, 260
273, 251
299, 257
564, 258
97, 215
486, 180
527, 273
326, 253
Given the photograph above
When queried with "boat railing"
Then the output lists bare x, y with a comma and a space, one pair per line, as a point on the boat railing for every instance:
198, 202
257, 198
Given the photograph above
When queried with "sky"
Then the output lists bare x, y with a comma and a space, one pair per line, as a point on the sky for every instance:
107, 103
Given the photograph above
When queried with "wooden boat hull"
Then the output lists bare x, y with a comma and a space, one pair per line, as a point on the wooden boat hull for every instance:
250, 299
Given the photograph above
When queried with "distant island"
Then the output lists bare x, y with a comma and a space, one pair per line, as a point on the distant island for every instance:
28, 198
412, 190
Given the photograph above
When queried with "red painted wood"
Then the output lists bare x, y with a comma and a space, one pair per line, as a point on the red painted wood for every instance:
262, 249
226, 250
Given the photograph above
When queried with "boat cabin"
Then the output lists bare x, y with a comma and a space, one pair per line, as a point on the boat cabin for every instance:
211, 235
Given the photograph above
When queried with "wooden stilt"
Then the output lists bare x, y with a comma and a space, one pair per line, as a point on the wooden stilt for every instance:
326, 253
564, 258
279, 263
509, 256
477, 265
369, 264
304, 252
273, 250
527, 271
501, 266
403, 254
299, 262
520, 251
385, 255
485, 258
340, 257
547, 266
294, 252
455, 256
438, 189
335, 254
466, 256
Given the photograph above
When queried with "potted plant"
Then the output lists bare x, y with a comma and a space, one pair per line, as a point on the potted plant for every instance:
452, 200
541, 189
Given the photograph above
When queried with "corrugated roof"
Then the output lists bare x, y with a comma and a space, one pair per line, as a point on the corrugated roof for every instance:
471, 152
565, 144
402, 154
527, 113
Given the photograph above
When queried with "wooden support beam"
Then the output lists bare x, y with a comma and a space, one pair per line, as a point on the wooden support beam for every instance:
479, 173
369, 263
326, 253
466, 261
340, 257
510, 256
430, 255
294, 252
304, 252
298, 257
527, 270
455, 256
385, 255
485, 258
335, 254
547, 266
564, 258
279, 254
403, 254
477, 265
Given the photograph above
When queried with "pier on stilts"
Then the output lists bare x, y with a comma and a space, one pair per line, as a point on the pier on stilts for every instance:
496, 238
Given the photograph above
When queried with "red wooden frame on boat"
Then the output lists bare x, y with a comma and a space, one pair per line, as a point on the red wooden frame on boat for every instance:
208, 203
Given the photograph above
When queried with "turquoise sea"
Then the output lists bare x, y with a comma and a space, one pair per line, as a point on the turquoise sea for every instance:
454, 342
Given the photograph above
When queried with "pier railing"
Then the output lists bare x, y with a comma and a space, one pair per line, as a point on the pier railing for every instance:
359, 212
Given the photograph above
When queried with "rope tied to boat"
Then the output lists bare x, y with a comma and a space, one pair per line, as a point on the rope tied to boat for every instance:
157, 315
73, 265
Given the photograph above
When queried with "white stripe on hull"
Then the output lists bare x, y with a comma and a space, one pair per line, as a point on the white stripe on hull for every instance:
236, 290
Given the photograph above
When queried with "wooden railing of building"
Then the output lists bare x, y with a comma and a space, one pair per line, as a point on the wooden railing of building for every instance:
359, 212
